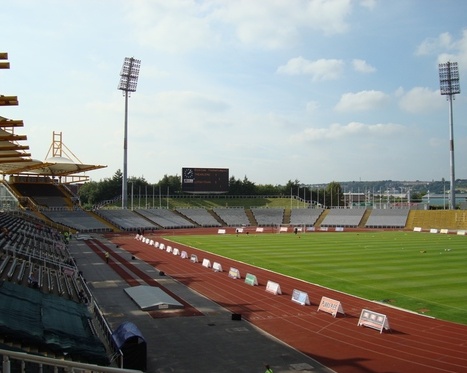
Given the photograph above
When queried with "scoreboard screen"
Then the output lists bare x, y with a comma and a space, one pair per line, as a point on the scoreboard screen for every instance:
205, 180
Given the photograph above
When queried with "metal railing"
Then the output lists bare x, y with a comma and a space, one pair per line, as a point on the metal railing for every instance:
22, 358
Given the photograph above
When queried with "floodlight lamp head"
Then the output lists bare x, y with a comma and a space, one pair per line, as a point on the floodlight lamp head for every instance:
129, 74
449, 78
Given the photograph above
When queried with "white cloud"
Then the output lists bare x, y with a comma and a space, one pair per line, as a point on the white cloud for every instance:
172, 26
362, 101
312, 106
370, 4
447, 48
321, 69
362, 66
434, 45
180, 104
458, 53
399, 92
420, 100
181, 25
276, 24
337, 131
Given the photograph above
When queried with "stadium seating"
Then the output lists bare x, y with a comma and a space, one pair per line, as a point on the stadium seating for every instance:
200, 216
44, 194
77, 219
305, 217
233, 217
387, 218
167, 219
30, 248
439, 219
126, 220
39, 277
343, 218
268, 216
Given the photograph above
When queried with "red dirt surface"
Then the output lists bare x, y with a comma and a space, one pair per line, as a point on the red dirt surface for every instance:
414, 343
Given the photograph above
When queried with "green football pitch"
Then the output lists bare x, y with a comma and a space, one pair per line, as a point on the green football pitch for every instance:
422, 272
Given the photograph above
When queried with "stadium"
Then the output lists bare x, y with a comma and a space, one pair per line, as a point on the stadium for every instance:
157, 290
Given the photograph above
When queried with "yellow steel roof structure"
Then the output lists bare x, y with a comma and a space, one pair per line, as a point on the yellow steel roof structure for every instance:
15, 158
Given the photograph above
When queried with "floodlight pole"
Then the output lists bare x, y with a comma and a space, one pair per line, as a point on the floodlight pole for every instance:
449, 86
452, 197
128, 83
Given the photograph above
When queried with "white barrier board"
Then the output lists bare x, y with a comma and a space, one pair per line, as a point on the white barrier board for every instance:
331, 306
251, 279
300, 297
216, 267
206, 263
373, 320
273, 288
234, 273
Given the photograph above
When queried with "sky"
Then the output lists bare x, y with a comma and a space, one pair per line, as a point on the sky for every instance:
313, 91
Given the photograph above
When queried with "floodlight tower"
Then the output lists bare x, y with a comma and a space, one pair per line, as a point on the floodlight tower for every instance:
449, 86
128, 83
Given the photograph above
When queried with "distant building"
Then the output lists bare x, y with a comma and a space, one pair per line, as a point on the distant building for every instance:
380, 201
437, 200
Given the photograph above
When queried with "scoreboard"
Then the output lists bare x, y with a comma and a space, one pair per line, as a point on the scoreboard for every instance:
205, 180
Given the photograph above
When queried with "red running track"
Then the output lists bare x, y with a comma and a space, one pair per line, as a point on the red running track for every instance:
414, 344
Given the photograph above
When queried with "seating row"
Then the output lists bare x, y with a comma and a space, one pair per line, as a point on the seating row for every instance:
152, 219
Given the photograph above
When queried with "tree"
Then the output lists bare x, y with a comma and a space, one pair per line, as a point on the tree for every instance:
249, 188
170, 184
333, 194
292, 187
268, 190
88, 193
235, 186
94, 192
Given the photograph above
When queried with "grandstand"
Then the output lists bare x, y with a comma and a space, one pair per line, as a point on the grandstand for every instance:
200, 216
349, 218
268, 216
387, 218
126, 220
233, 217
42, 283
77, 220
165, 218
305, 217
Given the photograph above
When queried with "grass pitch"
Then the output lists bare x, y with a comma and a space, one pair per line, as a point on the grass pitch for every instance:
422, 272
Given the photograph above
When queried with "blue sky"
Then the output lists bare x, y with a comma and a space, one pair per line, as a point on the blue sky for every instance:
274, 90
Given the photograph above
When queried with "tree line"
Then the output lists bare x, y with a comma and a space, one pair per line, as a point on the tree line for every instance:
94, 192
329, 194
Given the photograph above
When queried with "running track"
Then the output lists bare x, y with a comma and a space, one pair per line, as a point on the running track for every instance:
414, 344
